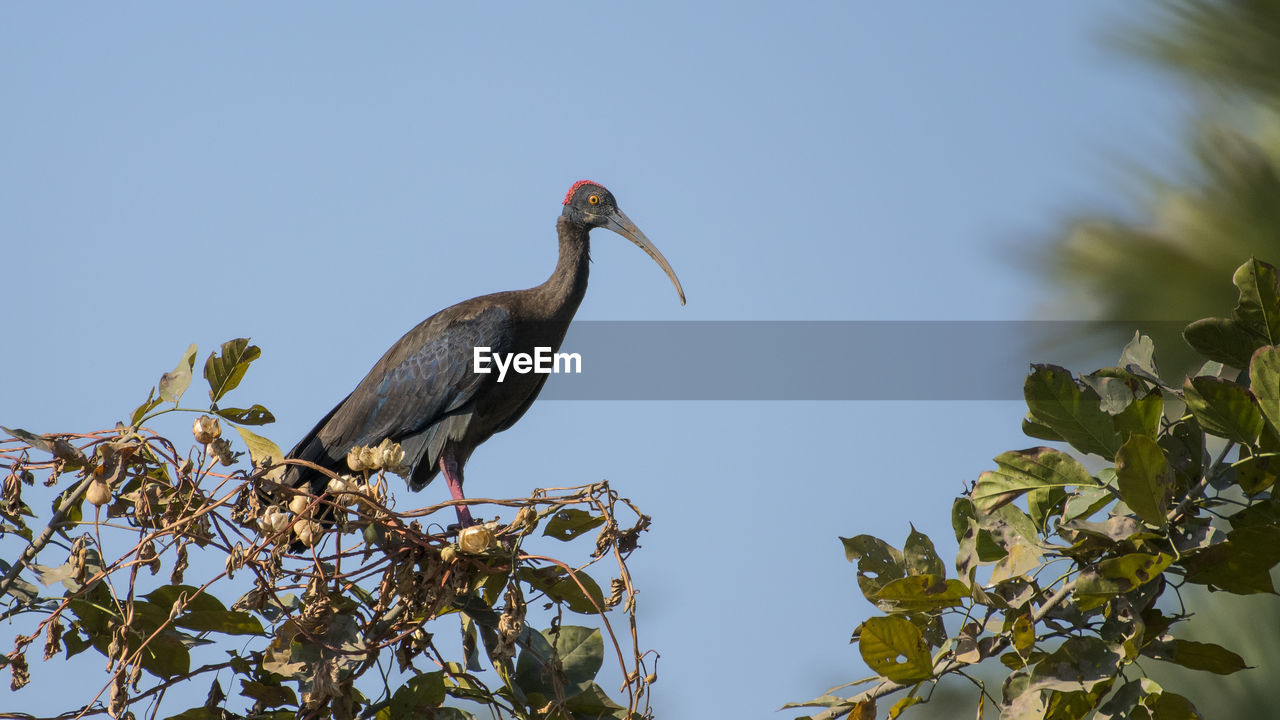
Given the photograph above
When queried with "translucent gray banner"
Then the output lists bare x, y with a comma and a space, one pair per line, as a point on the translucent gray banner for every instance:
824, 360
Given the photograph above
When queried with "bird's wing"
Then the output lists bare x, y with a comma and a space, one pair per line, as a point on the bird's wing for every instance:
425, 376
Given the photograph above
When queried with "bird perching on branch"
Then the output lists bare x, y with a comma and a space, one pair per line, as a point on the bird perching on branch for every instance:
425, 394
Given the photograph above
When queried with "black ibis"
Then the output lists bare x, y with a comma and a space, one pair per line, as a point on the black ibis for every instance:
424, 392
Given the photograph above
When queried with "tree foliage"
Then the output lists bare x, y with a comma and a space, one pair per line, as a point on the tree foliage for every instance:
196, 565
1161, 261
1070, 577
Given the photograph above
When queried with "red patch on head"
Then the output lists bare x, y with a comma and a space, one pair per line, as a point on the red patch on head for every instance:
569, 195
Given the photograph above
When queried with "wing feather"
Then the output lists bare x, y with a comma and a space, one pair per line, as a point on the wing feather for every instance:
423, 378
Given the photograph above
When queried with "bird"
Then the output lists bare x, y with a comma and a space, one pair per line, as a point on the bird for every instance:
425, 394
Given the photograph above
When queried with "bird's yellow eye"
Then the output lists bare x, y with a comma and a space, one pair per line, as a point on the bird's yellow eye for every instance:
594, 199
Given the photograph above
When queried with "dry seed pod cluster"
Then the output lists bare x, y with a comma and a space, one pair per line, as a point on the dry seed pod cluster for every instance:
386, 455
345, 491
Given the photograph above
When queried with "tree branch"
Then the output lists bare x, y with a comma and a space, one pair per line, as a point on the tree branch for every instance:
38, 544
951, 665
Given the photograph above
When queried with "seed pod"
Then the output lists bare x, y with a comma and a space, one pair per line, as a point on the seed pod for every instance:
281, 521
353, 460
299, 504
526, 516
391, 454
475, 539
206, 429
99, 493
221, 449
309, 532
270, 518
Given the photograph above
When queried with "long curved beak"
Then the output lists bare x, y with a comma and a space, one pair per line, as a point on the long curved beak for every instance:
618, 222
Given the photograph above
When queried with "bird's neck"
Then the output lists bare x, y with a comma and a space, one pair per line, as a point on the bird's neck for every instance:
561, 294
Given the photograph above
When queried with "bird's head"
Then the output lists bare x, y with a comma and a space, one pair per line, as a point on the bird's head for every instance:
590, 205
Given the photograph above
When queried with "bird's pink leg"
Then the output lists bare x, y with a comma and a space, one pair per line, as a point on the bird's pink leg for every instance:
453, 478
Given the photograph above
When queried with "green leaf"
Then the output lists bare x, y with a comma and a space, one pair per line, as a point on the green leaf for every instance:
1144, 478
166, 595
535, 667
1079, 663
1135, 569
152, 402
1115, 576
29, 438
198, 713
557, 584
1085, 502
571, 656
1074, 413
256, 415
1020, 561
964, 521
1224, 408
270, 695
1241, 565
51, 575
1022, 470
581, 652
569, 523
175, 382
1127, 698
21, 590
1258, 309
224, 372
262, 451
1138, 357
1222, 340
1074, 705
921, 557
1042, 503
593, 702
894, 648
878, 562
1116, 528
165, 656
1196, 655
230, 622
75, 513
1004, 529
1115, 389
1141, 417
1031, 427
1256, 473
1172, 706
918, 593
899, 707
1184, 448
1019, 704
1024, 635
1264, 380
420, 693
1256, 515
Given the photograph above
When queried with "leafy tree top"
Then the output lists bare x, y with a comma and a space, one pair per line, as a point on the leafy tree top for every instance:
1063, 575
306, 605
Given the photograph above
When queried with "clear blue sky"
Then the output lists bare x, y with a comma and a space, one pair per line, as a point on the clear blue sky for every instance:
321, 177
